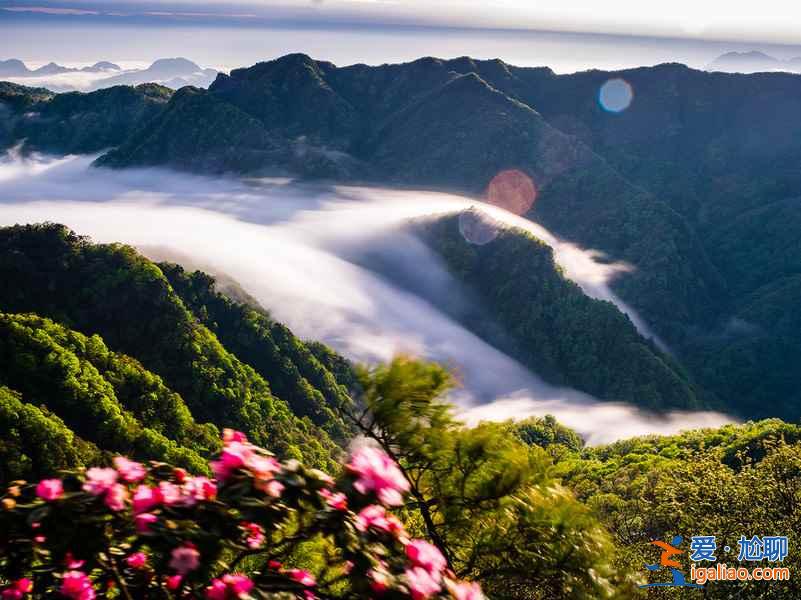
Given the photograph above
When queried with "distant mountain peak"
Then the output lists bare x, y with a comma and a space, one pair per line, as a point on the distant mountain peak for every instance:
174, 63
13, 67
51, 68
104, 65
750, 62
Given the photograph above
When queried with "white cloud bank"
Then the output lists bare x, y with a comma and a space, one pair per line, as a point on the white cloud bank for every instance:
300, 251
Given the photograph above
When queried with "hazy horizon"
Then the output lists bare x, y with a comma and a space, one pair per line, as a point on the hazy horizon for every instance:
37, 42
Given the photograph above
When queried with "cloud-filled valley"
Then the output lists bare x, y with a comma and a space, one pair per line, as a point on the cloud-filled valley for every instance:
308, 254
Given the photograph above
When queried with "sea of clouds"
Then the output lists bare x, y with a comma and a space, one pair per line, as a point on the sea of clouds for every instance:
308, 255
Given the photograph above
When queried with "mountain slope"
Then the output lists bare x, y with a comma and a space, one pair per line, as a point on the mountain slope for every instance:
35, 442
423, 124
53, 366
551, 326
294, 372
197, 131
111, 291
76, 122
694, 184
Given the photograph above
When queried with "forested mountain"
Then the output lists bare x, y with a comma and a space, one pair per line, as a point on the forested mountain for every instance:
294, 372
560, 333
727, 480
96, 393
695, 184
75, 122
117, 358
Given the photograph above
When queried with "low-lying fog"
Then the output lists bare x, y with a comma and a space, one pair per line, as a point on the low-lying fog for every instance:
308, 255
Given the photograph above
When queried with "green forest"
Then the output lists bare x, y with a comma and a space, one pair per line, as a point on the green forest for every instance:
103, 352
695, 186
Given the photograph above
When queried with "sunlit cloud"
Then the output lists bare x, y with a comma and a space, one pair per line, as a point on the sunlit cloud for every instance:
303, 252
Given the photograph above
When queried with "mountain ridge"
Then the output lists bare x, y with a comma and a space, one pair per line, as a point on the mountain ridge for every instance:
174, 73
660, 185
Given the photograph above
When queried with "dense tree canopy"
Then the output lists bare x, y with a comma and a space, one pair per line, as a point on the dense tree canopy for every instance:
294, 372
112, 292
550, 325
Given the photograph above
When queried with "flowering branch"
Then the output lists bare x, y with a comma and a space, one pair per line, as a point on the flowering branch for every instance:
137, 531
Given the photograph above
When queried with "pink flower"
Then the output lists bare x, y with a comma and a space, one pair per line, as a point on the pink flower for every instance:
272, 488
50, 489
376, 517
262, 467
217, 590
184, 559
275, 565
146, 498
465, 591
174, 582
229, 435
302, 577
233, 457
255, 533
73, 563
17, 589
379, 580
116, 497
143, 521
24, 585
428, 556
170, 493
337, 501
199, 488
99, 480
129, 470
376, 472
137, 560
421, 584
230, 586
77, 585
11, 594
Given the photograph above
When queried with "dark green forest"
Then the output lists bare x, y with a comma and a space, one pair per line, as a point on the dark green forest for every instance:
168, 369
694, 185
551, 326
104, 352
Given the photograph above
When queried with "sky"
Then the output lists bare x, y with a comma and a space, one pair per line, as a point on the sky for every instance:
565, 35
776, 21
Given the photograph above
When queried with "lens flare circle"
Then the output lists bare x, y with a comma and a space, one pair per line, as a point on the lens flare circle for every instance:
512, 190
615, 95
477, 227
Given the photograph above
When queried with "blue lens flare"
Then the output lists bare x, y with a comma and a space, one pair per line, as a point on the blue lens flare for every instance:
615, 95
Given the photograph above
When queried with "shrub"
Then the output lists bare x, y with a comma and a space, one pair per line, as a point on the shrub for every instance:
154, 531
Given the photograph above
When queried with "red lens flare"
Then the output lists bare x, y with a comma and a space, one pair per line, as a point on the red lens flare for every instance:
512, 190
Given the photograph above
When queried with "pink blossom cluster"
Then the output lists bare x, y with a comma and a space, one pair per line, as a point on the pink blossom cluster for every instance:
238, 454
188, 493
377, 518
377, 473
229, 587
17, 589
254, 535
425, 576
76, 585
423, 573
